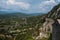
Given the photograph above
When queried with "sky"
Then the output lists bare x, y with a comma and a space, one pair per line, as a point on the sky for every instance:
28, 6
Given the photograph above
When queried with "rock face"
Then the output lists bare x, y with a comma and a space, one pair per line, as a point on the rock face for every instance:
55, 12
53, 22
56, 30
47, 25
46, 29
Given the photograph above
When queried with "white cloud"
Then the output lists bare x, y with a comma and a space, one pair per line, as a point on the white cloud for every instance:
58, 0
10, 2
22, 5
44, 6
51, 2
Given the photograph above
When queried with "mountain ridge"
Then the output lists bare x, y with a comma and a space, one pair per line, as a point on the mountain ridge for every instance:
55, 12
18, 14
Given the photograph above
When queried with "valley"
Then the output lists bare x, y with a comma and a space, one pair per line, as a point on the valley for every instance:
19, 26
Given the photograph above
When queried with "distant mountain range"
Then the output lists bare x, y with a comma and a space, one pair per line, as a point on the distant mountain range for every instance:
18, 14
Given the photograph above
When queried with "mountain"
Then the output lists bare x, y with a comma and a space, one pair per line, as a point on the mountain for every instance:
50, 25
55, 24
13, 15
17, 14
3, 12
55, 12
36, 14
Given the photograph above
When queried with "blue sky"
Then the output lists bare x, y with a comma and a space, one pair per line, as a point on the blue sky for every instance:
28, 6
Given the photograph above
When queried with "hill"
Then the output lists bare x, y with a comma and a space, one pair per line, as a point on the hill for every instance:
4, 14
55, 12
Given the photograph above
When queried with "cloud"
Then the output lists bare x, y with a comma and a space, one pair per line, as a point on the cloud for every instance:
52, 1
30, 6
10, 2
47, 5
58, 0
22, 5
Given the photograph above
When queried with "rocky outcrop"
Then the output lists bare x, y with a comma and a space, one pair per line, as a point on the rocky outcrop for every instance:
47, 25
55, 12
46, 29
52, 23
51, 26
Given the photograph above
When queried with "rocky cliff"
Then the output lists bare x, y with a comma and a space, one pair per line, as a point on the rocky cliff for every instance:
51, 25
53, 22
55, 12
